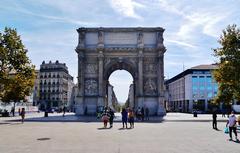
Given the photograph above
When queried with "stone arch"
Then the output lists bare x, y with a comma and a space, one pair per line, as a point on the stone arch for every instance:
120, 64
139, 51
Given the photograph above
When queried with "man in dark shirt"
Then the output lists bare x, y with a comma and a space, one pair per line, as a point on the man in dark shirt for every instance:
214, 116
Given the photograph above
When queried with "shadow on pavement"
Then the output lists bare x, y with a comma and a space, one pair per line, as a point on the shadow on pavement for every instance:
103, 128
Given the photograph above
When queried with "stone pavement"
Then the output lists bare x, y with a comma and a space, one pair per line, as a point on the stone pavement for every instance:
71, 117
178, 133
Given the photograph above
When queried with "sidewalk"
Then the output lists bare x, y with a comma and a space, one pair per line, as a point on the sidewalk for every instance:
71, 117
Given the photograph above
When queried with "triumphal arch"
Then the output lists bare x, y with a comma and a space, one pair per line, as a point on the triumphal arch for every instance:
101, 51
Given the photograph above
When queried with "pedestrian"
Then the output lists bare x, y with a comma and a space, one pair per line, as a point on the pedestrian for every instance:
238, 120
13, 111
19, 111
214, 123
139, 113
124, 117
147, 113
142, 114
223, 112
231, 123
64, 110
105, 118
23, 114
111, 113
131, 118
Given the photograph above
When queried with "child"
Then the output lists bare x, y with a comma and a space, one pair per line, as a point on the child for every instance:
105, 119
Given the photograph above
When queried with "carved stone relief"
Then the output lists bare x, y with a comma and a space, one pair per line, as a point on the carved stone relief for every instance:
91, 68
150, 68
150, 87
150, 60
91, 87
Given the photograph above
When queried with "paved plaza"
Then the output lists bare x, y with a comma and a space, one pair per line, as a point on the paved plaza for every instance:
175, 134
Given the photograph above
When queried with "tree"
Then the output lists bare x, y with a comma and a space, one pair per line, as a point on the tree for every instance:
17, 74
228, 73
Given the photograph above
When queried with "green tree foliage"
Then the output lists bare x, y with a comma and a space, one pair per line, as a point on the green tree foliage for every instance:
228, 74
17, 74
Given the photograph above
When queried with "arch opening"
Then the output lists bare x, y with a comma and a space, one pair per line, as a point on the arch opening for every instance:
120, 89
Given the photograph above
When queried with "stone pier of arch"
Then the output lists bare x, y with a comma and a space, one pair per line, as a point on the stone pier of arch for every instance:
101, 51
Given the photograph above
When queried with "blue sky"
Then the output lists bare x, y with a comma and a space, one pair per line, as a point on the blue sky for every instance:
48, 27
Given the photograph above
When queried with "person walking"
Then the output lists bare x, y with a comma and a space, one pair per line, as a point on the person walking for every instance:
214, 123
64, 110
147, 113
138, 113
13, 111
19, 111
124, 117
111, 113
23, 114
223, 112
105, 118
238, 120
142, 114
231, 123
131, 118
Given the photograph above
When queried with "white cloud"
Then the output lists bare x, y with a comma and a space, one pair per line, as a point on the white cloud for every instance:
126, 8
181, 43
203, 19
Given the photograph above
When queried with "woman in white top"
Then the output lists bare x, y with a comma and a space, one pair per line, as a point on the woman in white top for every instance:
232, 120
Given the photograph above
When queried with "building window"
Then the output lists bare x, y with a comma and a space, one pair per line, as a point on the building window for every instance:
201, 88
201, 79
209, 95
194, 79
209, 79
209, 87
215, 87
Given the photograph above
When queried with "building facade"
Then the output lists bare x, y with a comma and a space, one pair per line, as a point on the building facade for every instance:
193, 89
55, 85
35, 93
111, 98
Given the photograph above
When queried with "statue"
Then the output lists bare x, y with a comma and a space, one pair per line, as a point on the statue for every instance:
100, 37
140, 38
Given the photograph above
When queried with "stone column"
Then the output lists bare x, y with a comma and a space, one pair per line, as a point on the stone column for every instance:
100, 79
140, 79
80, 74
160, 67
79, 106
100, 48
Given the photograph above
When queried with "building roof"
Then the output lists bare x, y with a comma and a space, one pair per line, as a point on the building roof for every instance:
204, 67
120, 29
